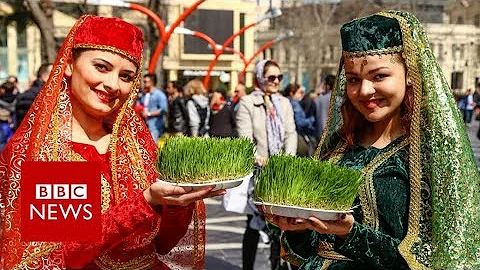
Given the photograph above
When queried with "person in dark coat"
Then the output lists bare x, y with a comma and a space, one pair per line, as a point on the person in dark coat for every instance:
222, 117
25, 100
177, 116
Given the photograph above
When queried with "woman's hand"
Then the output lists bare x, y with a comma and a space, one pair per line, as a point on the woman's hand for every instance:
287, 223
340, 227
164, 193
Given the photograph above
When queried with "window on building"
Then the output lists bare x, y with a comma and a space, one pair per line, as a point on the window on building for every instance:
457, 80
462, 51
242, 37
476, 20
460, 20
207, 21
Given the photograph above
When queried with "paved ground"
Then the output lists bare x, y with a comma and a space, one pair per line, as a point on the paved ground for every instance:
224, 239
225, 229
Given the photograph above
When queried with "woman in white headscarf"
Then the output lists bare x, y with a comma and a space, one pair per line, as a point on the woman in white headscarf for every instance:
266, 117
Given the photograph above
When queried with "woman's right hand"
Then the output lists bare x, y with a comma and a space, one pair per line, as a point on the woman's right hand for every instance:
164, 193
287, 223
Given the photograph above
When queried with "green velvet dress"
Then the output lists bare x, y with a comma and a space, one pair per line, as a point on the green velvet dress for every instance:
381, 215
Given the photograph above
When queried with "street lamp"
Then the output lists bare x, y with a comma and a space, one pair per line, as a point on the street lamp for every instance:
164, 35
272, 13
184, 31
232, 50
265, 46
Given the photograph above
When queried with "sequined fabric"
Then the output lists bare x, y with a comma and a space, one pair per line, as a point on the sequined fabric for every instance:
377, 232
444, 202
46, 135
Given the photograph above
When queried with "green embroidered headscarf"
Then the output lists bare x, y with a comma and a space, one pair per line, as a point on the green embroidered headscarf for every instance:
444, 210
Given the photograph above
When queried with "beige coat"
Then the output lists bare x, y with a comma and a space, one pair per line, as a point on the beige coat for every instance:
251, 123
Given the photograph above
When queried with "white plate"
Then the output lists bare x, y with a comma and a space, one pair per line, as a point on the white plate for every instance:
299, 212
218, 185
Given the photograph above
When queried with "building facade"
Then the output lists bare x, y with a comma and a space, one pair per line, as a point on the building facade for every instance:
453, 28
184, 58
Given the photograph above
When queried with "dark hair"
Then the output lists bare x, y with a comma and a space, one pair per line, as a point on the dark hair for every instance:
221, 91
43, 69
8, 86
291, 89
330, 81
152, 77
177, 85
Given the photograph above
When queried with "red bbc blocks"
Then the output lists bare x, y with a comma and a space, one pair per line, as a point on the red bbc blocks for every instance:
61, 201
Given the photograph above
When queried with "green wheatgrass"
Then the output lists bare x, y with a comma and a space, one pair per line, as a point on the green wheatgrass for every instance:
202, 160
307, 182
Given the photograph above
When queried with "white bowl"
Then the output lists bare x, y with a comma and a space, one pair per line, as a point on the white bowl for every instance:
218, 185
299, 212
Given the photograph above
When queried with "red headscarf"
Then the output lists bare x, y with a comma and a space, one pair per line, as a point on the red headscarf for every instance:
46, 135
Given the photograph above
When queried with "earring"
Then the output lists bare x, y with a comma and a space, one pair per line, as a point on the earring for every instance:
409, 82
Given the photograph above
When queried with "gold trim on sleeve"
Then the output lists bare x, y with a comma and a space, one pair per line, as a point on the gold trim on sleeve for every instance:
409, 54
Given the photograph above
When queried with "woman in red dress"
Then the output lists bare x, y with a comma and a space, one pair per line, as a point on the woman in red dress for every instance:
85, 113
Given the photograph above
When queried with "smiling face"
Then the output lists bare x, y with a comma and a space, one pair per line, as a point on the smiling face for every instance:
376, 85
272, 72
100, 81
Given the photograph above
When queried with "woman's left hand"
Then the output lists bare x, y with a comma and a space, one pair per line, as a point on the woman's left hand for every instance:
340, 227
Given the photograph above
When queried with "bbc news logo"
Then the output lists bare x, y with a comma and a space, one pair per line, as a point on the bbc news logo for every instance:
58, 210
61, 201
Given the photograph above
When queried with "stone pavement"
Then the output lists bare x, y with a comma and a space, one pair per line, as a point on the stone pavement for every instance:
225, 229
224, 239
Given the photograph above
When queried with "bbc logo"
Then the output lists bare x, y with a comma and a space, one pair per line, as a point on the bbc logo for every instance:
61, 191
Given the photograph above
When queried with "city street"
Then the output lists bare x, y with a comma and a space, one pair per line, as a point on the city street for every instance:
225, 229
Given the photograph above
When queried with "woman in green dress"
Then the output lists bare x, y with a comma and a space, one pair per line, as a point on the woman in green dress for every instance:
393, 116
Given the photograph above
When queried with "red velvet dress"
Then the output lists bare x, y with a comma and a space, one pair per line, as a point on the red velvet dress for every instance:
127, 228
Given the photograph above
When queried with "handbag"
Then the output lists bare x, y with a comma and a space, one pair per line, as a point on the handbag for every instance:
235, 199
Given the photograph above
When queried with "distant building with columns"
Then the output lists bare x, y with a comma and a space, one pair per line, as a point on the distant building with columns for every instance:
453, 28
185, 57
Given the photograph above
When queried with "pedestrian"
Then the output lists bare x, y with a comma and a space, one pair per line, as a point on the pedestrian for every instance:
239, 92
155, 106
321, 106
25, 99
177, 114
85, 113
198, 108
222, 117
304, 125
266, 117
398, 124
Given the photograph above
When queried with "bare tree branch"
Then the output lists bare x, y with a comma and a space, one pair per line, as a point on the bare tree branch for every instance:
42, 15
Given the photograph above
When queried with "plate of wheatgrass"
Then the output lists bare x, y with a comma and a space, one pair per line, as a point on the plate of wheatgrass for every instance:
198, 161
303, 187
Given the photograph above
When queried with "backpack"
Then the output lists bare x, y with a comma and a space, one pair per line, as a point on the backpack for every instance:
202, 113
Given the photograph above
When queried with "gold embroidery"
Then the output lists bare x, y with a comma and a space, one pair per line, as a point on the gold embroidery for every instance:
414, 155
326, 264
108, 48
105, 195
198, 237
391, 50
366, 194
286, 252
144, 262
326, 250
37, 253
367, 190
